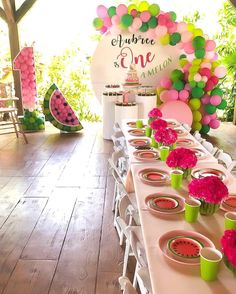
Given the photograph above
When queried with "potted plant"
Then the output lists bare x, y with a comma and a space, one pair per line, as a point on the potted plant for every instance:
210, 191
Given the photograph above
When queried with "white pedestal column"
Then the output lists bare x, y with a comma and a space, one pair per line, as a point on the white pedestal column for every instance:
146, 103
125, 112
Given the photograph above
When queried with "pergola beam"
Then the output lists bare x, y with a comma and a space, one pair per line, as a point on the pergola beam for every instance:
24, 8
8, 10
3, 14
233, 2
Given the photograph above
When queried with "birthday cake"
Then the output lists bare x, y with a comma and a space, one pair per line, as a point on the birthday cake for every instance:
132, 77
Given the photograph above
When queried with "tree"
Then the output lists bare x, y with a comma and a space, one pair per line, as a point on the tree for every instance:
12, 17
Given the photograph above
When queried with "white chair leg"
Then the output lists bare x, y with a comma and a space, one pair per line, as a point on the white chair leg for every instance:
135, 280
114, 197
126, 257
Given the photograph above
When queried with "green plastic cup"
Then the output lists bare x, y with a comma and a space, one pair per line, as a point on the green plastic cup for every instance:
154, 143
230, 220
148, 132
139, 124
210, 259
164, 152
191, 210
176, 177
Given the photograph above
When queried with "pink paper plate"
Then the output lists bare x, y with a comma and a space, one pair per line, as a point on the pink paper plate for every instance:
229, 204
137, 132
154, 176
132, 124
139, 142
199, 173
186, 143
172, 124
181, 132
146, 155
201, 154
180, 251
162, 203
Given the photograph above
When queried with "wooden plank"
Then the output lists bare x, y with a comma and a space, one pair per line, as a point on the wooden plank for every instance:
15, 233
6, 207
48, 236
101, 145
4, 181
111, 257
31, 277
77, 267
41, 187
98, 165
17, 186
107, 282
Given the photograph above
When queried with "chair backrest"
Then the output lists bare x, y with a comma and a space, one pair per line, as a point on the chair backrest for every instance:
198, 136
226, 159
126, 286
116, 127
209, 147
138, 249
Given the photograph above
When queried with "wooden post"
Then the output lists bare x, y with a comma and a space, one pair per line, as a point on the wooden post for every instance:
233, 2
234, 117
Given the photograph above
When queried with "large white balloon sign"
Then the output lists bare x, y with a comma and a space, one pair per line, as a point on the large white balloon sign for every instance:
115, 53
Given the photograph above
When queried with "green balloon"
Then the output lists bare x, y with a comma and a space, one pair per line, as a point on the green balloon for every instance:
173, 15
178, 85
176, 75
197, 92
198, 42
205, 129
98, 23
111, 11
222, 105
200, 53
152, 22
154, 9
209, 108
126, 20
182, 56
201, 84
175, 38
144, 27
217, 91
193, 84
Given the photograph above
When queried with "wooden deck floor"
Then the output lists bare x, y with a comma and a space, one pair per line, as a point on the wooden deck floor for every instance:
56, 231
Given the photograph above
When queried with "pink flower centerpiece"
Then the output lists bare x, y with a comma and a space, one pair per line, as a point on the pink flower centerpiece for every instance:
154, 114
182, 158
210, 191
158, 124
166, 136
228, 243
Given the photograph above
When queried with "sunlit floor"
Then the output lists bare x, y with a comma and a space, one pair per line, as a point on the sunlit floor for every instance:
56, 230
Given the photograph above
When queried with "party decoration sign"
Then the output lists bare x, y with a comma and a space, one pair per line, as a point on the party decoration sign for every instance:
58, 111
194, 81
114, 54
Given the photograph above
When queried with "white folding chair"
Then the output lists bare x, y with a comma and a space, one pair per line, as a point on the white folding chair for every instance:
225, 159
186, 126
209, 147
126, 286
198, 136
116, 127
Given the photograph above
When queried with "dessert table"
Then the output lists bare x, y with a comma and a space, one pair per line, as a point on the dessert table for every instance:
168, 276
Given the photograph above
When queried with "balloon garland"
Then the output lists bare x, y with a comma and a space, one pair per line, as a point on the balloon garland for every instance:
196, 80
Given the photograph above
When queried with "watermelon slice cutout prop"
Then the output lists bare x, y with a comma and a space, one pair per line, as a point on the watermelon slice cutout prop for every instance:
58, 111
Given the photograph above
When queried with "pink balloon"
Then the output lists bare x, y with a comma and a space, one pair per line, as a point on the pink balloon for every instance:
183, 95
210, 45
107, 22
181, 27
103, 30
220, 71
214, 80
187, 67
204, 79
134, 12
161, 31
132, 30
172, 27
205, 72
187, 87
115, 20
214, 124
102, 11
205, 99
215, 100
121, 9
197, 77
162, 20
206, 119
173, 94
164, 96
209, 86
188, 48
213, 116
205, 65
137, 23
151, 34
186, 36
166, 83
145, 16
179, 46
210, 55
215, 57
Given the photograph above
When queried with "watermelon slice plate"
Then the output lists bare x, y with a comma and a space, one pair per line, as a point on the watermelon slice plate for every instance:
58, 111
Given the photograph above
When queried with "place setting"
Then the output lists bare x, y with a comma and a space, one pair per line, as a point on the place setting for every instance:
146, 155
154, 176
137, 132
198, 173
186, 142
139, 142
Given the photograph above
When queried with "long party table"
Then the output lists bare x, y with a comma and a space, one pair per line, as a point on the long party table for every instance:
167, 276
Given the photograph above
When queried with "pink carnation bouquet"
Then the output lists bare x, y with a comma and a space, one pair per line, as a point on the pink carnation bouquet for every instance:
228, 243
211, 191
182, 158
166, 136
158, 124
154, 114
